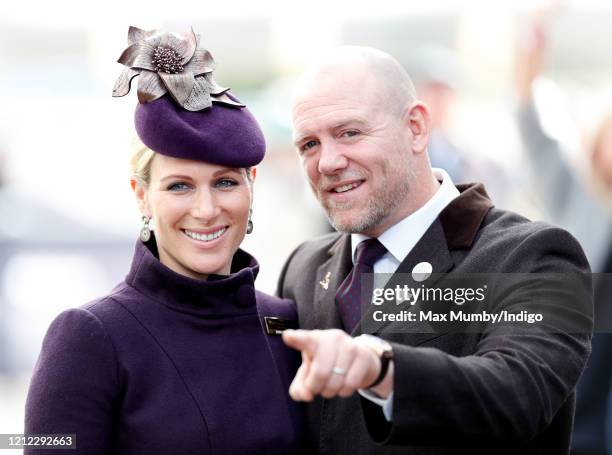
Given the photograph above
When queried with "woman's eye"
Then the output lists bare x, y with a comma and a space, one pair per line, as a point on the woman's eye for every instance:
179, 186
351, 133
226, 183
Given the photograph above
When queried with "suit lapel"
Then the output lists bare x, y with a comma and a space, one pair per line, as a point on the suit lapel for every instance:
432, 248
455, 228
329, 276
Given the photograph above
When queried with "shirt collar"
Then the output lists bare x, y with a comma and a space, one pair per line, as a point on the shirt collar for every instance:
400, 238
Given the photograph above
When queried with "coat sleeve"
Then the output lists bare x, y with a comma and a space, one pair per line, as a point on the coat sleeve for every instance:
511, 386
74, 385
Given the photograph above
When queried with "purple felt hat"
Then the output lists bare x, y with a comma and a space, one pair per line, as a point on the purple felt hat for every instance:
182, 111
222, 135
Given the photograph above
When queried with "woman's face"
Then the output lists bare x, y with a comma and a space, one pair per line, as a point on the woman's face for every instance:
200, 213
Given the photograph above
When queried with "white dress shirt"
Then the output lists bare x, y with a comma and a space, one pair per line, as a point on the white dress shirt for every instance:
399, 240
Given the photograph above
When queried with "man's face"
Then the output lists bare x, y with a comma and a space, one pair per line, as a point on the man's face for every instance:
356, 153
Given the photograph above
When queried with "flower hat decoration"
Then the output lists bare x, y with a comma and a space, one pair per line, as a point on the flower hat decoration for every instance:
170, 63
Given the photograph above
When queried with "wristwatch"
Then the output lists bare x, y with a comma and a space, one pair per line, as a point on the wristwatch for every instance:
383, 350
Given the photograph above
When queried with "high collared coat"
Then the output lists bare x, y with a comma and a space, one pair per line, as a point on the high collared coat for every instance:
166, 365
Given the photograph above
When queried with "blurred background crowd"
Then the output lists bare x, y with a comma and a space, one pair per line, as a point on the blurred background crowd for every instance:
521, 98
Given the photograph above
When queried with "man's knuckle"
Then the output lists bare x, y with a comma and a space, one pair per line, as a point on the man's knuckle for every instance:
318, 374
351, 383
345, 392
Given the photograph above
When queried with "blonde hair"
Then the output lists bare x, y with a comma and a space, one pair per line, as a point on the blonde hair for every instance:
140, 164
142, 158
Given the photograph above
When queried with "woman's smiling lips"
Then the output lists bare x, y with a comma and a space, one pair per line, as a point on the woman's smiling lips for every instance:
207, 238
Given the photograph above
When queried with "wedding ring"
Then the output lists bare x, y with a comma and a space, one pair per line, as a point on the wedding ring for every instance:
339, 371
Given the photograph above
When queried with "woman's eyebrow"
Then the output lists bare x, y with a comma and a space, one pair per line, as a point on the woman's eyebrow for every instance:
176, 176
227, 169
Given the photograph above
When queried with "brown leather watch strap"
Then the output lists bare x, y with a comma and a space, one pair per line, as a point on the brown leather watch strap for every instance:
385, 358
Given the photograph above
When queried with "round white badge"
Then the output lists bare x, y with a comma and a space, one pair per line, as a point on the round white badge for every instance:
422, 271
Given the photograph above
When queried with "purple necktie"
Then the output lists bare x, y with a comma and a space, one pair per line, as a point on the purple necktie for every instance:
349, 296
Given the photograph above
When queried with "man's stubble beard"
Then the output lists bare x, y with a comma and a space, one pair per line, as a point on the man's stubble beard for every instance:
378, 207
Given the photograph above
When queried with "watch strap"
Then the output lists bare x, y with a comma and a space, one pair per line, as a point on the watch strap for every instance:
385, 360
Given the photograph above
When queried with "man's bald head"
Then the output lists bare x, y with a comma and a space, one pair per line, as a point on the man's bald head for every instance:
361, 65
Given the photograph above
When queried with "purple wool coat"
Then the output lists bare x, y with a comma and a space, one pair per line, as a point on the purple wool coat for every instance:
167, 364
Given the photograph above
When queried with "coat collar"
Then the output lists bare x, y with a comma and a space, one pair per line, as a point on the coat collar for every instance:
460, 220
455, 228
219, 296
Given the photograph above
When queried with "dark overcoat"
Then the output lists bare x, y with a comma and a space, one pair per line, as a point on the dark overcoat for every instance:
483, 391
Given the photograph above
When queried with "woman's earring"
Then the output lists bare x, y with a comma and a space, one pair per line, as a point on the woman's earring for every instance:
145, 232
250, 222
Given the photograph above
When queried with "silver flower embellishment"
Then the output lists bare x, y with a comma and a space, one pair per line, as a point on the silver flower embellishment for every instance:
170, 63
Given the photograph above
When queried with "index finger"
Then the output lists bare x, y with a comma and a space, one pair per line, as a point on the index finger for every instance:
301, 340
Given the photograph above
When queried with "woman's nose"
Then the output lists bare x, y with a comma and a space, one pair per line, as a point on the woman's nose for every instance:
205, 206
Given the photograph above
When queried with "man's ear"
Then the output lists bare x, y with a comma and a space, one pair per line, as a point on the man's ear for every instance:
419, 122
141, 196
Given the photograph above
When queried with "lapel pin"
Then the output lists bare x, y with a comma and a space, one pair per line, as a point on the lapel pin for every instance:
325, 281
421, 271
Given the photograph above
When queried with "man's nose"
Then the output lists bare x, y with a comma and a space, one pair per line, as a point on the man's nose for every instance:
331, 160
205, 206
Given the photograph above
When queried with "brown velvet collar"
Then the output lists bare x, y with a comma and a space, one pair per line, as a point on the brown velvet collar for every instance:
460, 219
463, 216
